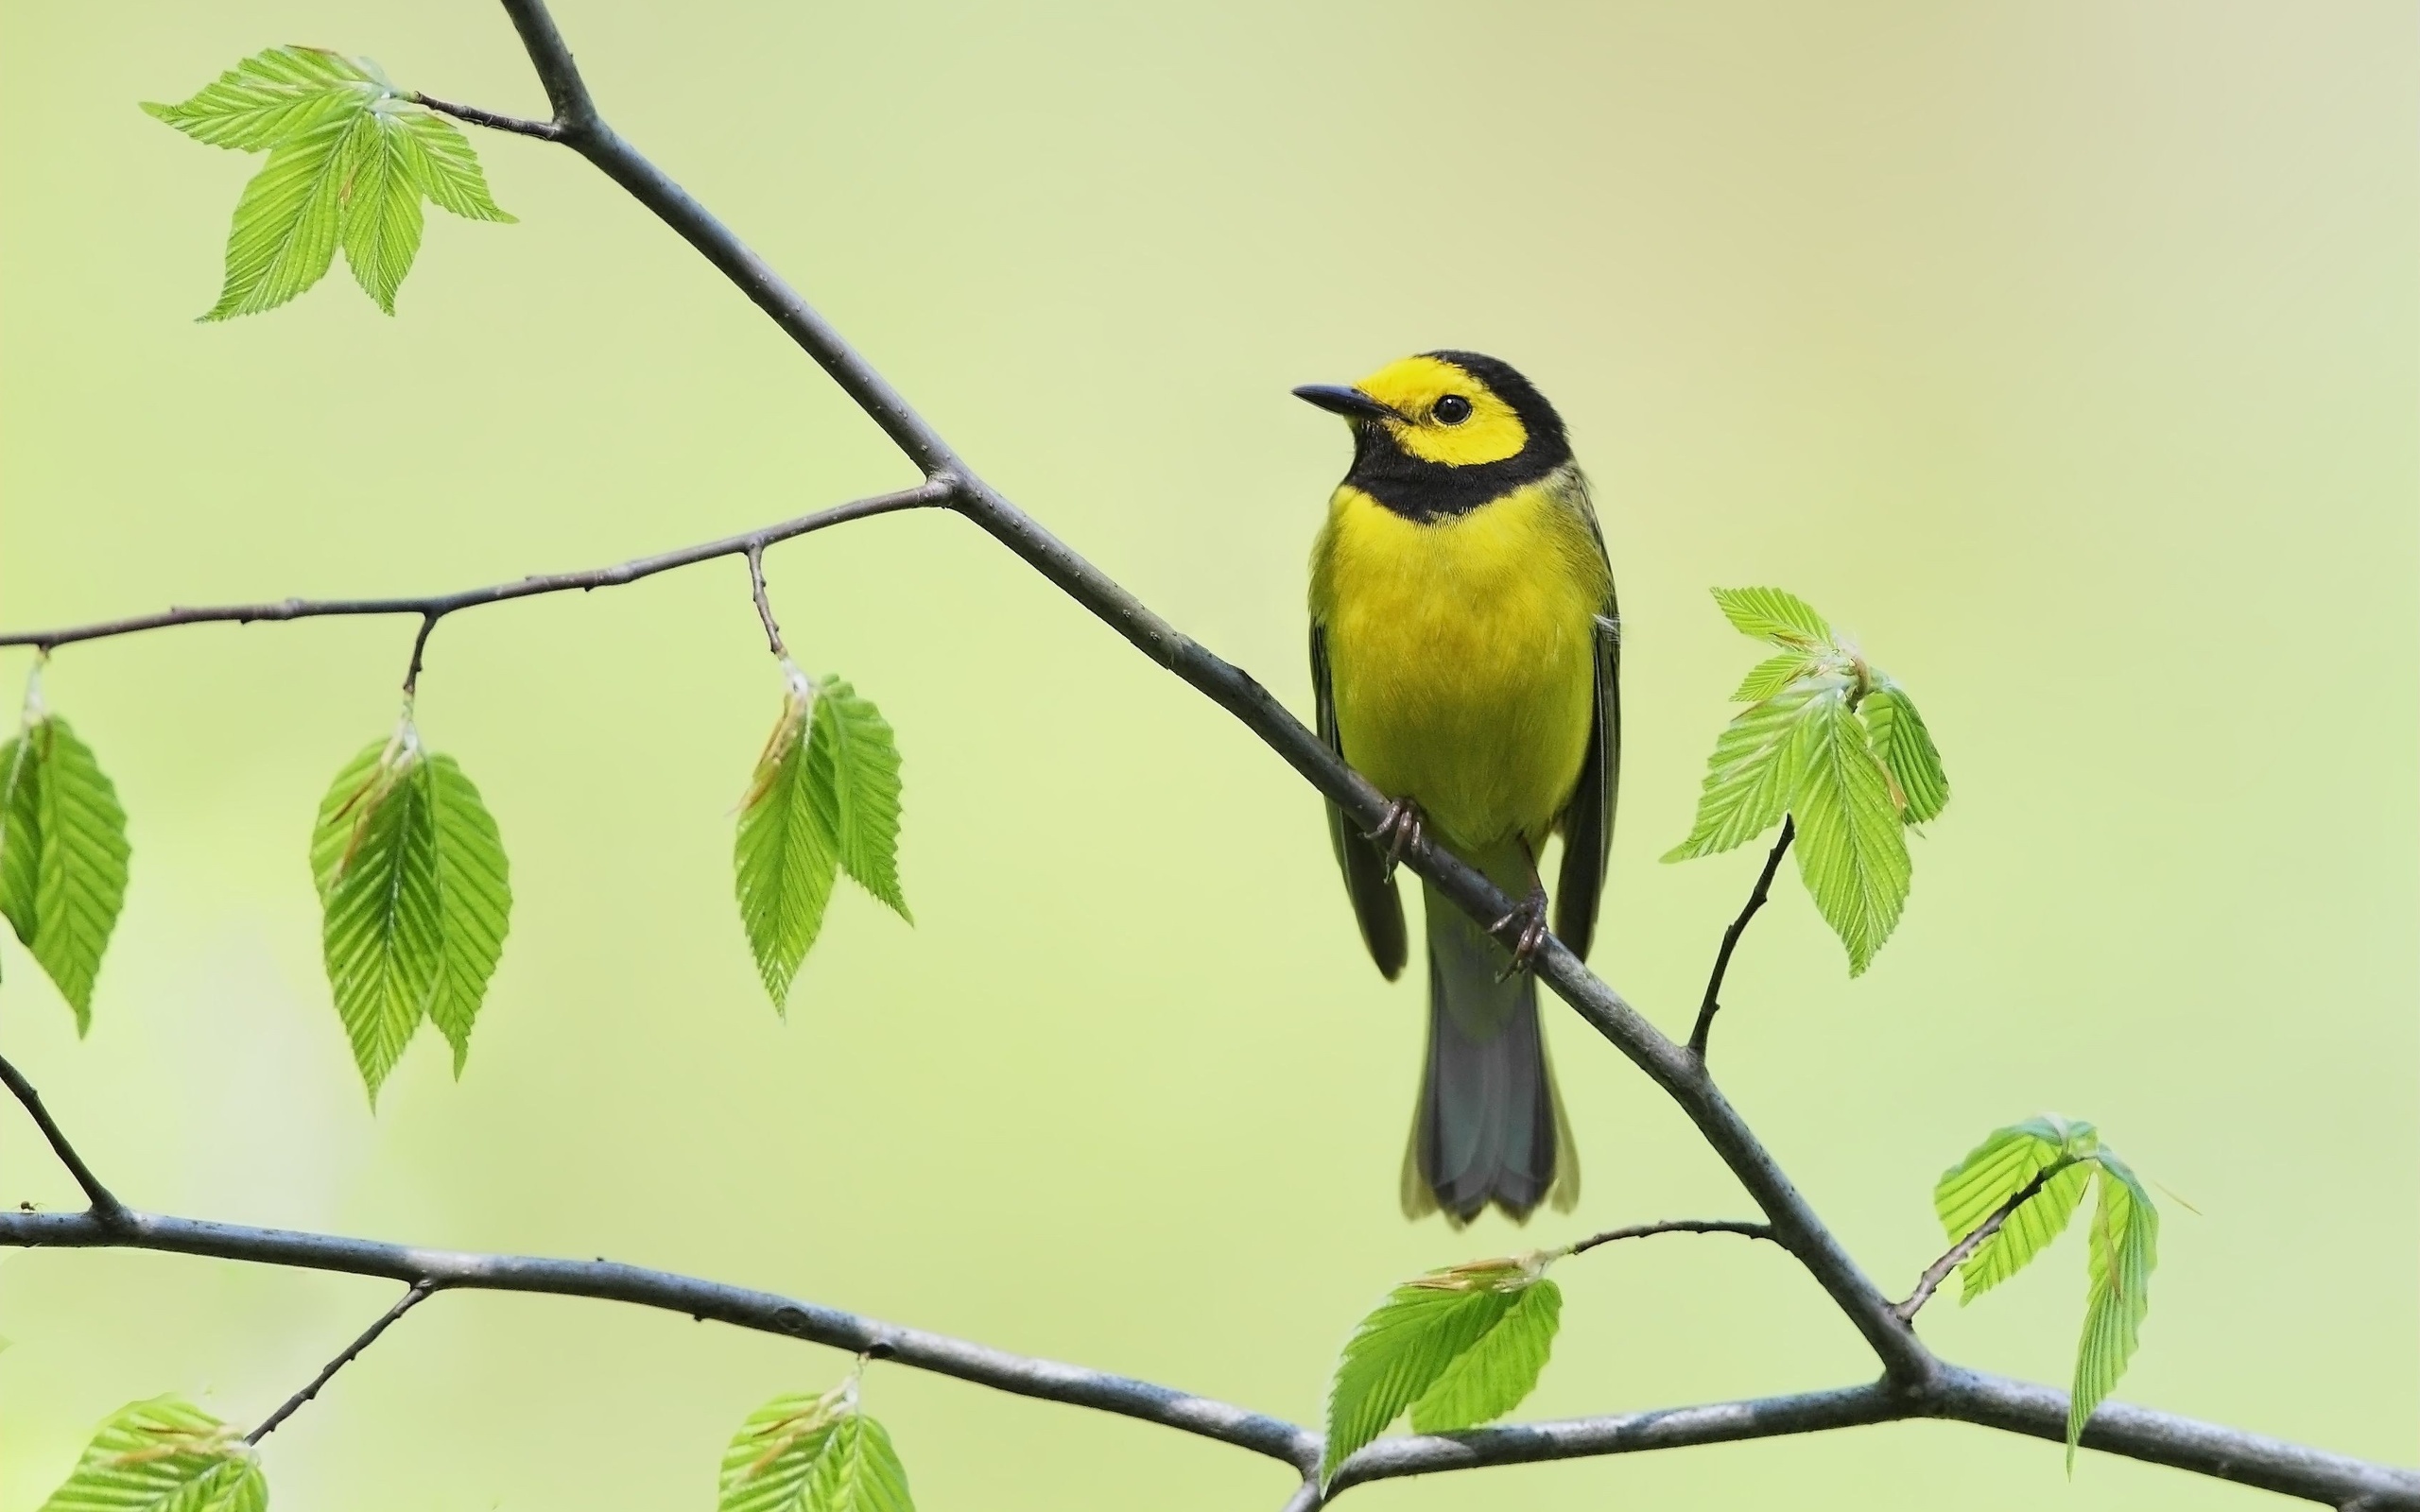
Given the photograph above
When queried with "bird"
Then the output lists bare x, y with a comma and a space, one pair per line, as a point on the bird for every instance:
1466, 659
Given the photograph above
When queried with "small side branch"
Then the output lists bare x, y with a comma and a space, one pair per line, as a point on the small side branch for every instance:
1712, 1003
518, 126
1962, 1251
420, 652
420, 1292
764, 605
1680, 1225
107, 1211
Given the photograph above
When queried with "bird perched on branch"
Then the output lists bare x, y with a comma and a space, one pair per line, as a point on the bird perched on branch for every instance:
1465, 651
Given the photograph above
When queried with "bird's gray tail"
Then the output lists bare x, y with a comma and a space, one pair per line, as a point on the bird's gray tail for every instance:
1490, 1125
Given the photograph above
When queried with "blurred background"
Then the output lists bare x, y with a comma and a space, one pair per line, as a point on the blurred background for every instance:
2064, 351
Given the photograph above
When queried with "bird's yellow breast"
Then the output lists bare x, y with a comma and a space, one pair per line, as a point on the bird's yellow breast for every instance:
1462, 654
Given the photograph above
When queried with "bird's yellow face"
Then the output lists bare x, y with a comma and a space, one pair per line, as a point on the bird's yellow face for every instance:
1443, 414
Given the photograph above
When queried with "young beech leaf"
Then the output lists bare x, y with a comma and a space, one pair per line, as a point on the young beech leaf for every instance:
2000, 1168
62, 857
1772, 675
1777, 615
286, 223
770, 1458
858, 1470
2124, 1247
1907, 752
783, 857
164, 1455
270, 98
1852, 846
381, 216
853, 777
447, 170
1433, 1349
1750, 775
415, 898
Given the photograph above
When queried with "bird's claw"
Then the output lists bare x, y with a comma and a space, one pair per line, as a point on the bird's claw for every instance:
1530, 916
1399, 830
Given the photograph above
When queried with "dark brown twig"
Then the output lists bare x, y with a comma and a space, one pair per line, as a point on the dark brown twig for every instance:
518, 126
107, 1210
1962, 1251
765, 604
420, 1292
1680, 1225
1712, 1003
420, 650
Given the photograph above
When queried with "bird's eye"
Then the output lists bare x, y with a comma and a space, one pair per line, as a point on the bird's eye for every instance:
1451, 410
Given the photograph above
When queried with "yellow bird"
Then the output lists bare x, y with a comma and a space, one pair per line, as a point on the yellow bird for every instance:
1465, 651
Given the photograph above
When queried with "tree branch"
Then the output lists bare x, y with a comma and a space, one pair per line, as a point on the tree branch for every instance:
420, 1292
542, 130
1965, 1396
1958, 1253
764, 604
1677, 1225
106, 1209
1711, 1004
930, 494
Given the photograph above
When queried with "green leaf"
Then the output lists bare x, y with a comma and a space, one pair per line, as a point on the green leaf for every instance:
416, 900
784, 857
1413, 1341
1772, 675
381, 196
1907, 752
164, 1455
2000, 1168
287, 222
1777, 615
2124, 1247
771, 1457
853, 776
474, 900
62, 857
447, 170
271, 98
1494, 1375
858, 1470
1852, 848
1750, 775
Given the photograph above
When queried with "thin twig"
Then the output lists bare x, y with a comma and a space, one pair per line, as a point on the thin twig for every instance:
1679, 1226
1711, 1004
764, 605
1960, 1252
110, 1212
933, 493
420, 1292
518, 126
420, 650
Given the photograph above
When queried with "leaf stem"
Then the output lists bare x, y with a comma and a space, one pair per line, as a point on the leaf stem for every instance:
421, 1291
1959, 1253
1711, 1004
107, 1211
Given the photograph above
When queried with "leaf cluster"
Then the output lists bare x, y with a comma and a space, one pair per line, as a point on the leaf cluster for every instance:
62, 854
798, 1453
351, 158
163, 1455
1833, 742
2066, 1158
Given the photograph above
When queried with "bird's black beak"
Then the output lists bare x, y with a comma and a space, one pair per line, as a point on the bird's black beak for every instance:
1350, 403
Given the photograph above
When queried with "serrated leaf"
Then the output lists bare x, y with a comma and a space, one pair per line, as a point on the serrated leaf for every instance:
853, 775
771, 1459
1852, 846
1774, 674
286, 223
474, 901
1775, 615
1496, 1374
447, 169
783, 858
858, 1470
1413, 1340
1907, 752
79, 882
381, 223
20, 836
164, 1455
373, 855
2000, 1168
1750, 775
2124, 1247
270, 98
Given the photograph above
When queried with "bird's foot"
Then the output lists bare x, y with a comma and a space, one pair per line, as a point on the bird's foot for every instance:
1399, 830
1527, 924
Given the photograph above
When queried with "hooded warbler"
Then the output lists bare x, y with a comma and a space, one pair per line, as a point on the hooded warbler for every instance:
1466, 653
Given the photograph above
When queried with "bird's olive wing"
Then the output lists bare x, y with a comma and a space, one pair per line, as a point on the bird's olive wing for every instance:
1368, 883
1588, 823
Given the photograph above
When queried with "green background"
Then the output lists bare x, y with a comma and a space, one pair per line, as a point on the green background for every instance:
2064, 350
